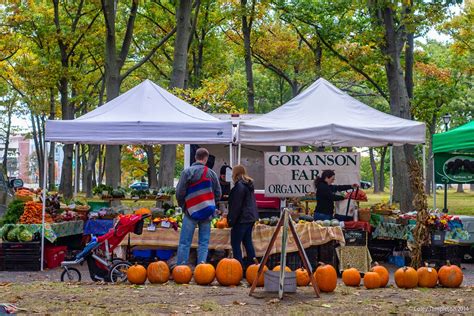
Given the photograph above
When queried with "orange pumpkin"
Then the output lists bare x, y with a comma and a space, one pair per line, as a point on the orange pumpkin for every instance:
136, 274
427, 277
252, 271
372, 280
229, 272
406, 278
158, 272
204, 274
326, 277
182, 274
351, 277
450, 275
277, 268
143, 211
222, 223
302, 277
383, 273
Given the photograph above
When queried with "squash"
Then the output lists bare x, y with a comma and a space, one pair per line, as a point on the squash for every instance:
383, 272
252, 271
302, 277
158, 272
136, 274
182, 274
326, 277
427, 277
406, 278
277, 268
372, 280
222, 223
351, 277
204, 274
450, 275
229, 272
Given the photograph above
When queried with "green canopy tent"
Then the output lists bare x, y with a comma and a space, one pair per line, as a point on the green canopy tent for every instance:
454, 155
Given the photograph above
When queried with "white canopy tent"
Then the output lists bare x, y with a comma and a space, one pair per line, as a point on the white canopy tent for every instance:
145, 114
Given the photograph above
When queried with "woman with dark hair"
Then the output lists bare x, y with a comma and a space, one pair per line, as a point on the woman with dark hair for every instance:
326, 195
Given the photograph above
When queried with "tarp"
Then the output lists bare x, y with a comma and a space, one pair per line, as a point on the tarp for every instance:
460, 139
323, 115
145, 114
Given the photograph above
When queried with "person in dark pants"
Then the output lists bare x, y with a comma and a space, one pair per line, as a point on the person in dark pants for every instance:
242, 214
325, 195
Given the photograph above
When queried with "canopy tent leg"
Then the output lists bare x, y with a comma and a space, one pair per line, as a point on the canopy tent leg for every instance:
391, 176
239, 154
43, 211
424, 165
187, 155
434, 185
231, 158
76, 171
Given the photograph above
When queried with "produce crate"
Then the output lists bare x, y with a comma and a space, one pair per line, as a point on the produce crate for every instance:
438, 255
19, 256
355, 237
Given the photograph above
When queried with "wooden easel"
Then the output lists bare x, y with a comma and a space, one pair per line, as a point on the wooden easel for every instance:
286, 222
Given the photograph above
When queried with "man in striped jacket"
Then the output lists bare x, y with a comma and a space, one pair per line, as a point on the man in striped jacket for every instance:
189, 177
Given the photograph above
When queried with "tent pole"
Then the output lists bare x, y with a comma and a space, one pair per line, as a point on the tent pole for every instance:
434, 184
391, 175
239, 154
231, 160
76, 172
187, 155
43, 211
424, 165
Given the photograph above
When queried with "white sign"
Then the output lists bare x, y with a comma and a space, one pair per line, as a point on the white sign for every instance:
293, 174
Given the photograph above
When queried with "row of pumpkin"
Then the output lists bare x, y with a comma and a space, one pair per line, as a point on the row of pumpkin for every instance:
229, 272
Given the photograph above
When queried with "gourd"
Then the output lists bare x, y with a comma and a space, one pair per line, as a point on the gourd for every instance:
252, 271
136, 274
158, 272
406, 278
383, 273
372, 280
204, 274
326, 277
182, 274
229, 272
450, 275
351, 277
302, 277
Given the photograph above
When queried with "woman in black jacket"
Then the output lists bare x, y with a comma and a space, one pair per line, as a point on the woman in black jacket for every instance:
325, 195
242, 214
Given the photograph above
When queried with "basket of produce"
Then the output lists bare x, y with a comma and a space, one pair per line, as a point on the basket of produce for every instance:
24, 195
364, 214
82, 211
383, 209
33, 214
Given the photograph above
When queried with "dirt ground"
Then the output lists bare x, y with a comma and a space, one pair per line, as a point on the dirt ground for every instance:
40, 292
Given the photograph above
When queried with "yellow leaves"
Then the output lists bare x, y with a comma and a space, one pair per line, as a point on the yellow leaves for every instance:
433, 71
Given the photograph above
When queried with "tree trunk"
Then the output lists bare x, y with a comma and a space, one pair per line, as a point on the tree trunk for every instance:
183, 31
52, 147
246, 31
471, 187
152, 178
460, 188
84, 162
374, 170
112, 152
7, 137
318, 57
382, 170
90, 170
409, 60
65, 185
39, 157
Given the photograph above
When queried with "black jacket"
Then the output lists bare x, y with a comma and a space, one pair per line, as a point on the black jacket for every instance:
325, 197
242, 204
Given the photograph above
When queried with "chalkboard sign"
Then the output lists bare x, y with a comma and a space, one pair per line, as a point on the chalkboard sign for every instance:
355, 237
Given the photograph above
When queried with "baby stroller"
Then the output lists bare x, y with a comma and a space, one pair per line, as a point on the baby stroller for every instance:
98, 253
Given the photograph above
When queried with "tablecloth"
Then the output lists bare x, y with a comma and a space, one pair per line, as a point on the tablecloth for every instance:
98, 226
393, 231
310, 234
53, 231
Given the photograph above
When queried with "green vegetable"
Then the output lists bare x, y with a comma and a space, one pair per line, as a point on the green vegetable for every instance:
5, 230
24, 235
12, 235
13, 213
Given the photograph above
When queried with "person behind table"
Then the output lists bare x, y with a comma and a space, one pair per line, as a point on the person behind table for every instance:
188, 177
242, 214
225, 186
326, 195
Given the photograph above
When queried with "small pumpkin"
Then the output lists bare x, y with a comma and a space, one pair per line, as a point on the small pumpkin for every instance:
229, 272
406, 278
222, 223
383, 273
372, 280
204, 274
252, 271
427, 276
277, 268
450, 275
136, 274
143, 211
302, 277
326, 277
182, 274
158, 272
351, 277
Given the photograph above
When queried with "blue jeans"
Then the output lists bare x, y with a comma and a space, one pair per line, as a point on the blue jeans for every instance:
322, 217
242, 233
186, 238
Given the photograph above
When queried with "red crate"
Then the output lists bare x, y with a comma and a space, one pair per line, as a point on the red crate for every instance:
54, 255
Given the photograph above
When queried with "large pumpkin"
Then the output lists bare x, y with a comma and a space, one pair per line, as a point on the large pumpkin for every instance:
427, 277
351, 277
302, 277
383, 273
158, 272
182, 274
406, 278
229, 272
326, 277
136, 274
204, 274
252, 271
372, 280
277, 268
450, 275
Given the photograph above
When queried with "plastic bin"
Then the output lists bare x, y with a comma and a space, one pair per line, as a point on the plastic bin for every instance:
164, 254
144, 253
97, 205
54, 255
272, 281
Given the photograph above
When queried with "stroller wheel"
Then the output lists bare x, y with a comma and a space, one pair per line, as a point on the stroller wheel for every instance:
118, 272
71, 275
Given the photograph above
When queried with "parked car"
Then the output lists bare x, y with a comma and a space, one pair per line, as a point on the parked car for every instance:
140, 186
439, 186
365, 184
